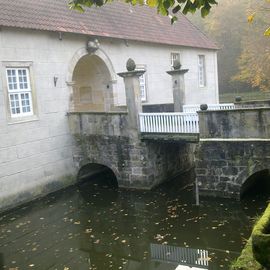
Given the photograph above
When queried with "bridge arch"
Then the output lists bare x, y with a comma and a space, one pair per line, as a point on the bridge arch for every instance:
258, 180
92, 81
99, 173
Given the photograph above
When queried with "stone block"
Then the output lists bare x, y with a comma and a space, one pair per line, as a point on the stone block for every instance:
8, 154
137, 170
217, 154
28, 149
217, 163
206, 180
230, 170
225, 179
200, 171
234, 188
221, 186
216, 171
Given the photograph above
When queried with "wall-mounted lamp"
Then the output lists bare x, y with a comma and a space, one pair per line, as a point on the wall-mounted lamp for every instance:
60, 36
92, 45
55, 79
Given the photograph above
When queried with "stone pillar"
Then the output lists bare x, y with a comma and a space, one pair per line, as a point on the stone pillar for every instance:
178, 84
71, 87
133, 96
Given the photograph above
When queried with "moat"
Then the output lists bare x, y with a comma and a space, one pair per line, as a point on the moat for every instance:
93, 226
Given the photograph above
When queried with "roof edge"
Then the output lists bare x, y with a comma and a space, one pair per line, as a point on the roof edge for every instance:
214, 48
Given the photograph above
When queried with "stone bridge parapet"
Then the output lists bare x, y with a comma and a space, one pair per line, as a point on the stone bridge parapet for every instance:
235, 124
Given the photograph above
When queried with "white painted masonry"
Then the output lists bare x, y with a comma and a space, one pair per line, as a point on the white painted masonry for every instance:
36, 154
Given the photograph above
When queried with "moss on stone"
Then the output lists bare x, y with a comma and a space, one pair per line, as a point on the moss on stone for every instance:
257, 249
261, 239
246, 260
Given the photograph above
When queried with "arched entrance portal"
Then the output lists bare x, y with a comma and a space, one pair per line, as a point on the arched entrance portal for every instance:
257, 183
97, 173
92, 85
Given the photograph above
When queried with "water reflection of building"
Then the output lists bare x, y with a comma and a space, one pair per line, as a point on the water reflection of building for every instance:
195, 258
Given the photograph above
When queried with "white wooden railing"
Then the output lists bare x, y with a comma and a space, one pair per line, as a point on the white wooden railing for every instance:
169, 122
212, 107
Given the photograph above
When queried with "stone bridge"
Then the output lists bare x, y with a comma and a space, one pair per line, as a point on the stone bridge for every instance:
113, 140
142, 150
233, 151
104, 138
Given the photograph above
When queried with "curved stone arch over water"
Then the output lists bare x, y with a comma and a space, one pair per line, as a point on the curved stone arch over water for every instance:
89, 170
252, 180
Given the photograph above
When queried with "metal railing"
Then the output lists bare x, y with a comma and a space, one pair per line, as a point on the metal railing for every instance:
213, 107
169, 122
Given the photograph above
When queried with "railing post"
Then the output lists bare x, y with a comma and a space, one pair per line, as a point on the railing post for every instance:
133, 96
178, 85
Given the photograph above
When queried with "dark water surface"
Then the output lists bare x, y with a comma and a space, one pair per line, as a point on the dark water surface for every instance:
97, 227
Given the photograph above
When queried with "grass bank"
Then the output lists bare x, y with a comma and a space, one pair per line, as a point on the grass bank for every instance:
246, 96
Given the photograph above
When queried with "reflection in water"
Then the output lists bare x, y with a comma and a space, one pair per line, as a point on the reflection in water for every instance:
179, 255
97, 227
1, 261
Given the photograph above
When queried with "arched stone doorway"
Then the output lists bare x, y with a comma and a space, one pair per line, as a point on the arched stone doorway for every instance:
88, 74
92, 85
98, 173
256, 183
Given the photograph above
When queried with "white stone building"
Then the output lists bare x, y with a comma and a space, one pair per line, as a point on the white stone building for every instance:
47, 71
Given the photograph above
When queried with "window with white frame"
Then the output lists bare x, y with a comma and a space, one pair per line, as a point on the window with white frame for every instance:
142, 79
174, 56
202, 72
19, 91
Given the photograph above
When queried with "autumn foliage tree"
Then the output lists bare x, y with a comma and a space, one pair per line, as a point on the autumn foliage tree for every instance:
254, 60
240, 27
224, 24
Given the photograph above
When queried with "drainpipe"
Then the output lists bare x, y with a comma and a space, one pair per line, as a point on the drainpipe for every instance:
178, 85
133, 96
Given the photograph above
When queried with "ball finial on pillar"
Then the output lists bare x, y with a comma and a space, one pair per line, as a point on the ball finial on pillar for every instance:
130, 65
176, 64
203, 107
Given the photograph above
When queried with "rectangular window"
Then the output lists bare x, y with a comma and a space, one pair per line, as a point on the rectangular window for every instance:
142, 79
174, 56
19, 91
143, 87
202, 72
